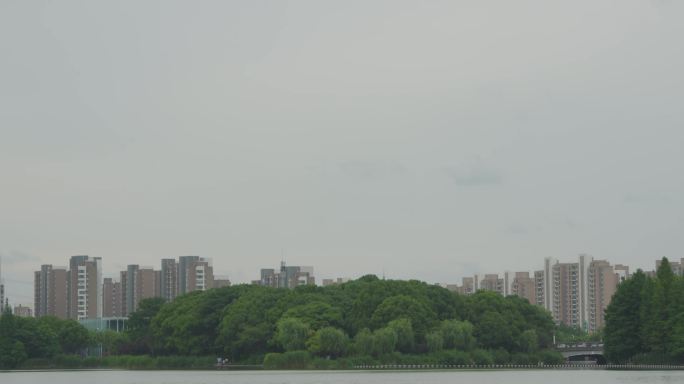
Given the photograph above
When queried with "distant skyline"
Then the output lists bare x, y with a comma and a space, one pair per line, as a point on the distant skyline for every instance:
429, 140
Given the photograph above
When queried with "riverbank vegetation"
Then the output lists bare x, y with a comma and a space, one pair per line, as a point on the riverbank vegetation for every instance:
366, 321
645, 319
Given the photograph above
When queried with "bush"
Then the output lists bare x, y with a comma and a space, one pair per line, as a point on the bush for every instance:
550, 357
501, 356
453, 357
482, 357
523, 359
287, 360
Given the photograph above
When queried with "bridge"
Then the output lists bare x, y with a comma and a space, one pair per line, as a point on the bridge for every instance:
587, 352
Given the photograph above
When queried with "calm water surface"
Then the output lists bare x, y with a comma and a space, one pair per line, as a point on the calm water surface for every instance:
314, 377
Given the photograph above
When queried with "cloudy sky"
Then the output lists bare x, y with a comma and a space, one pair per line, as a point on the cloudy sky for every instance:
425, 139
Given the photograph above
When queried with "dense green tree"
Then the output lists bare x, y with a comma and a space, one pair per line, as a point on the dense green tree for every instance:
493, 331
405, 335
248, 324
12, 353
434, 341
190, 324
457, 334
139, 325
329, 341
528, 341
364, 342
384, 341
317, 314
403, 306
623, 320
292, 333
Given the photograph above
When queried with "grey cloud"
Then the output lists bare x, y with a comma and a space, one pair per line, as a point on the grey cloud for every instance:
474, 175
371, 170
17, 257
647, 199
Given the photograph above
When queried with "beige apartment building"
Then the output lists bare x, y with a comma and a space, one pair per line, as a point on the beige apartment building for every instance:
492, 282
169, 279
22, 311
112, 298
199, 276
602, 283
85, 287
524, 286
51, 292
138, 283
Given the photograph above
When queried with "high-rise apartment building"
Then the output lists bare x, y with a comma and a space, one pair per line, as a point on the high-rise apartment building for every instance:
468, 286
169, 279
602, 283
51, 292
338, 281
85, 287
199, 275
22, 311
566, 294
288, 277
194, 274
524, 286
492, 282
548, 283
221, 282
112, 298
138, 283
622, 271
540, 288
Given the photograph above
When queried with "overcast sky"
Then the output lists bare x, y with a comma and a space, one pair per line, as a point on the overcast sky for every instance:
428, 139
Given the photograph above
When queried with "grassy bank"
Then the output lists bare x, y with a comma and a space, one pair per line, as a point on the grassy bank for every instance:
121, 362
304, 360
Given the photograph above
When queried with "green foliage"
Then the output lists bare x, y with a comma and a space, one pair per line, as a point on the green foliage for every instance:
528, 341
287, 360
317, 314
364, 343
434, 341
405, 336
389, 321
645, 319
139, 330
406, 307
457, 334
292, 334
384, 341
190, 324
481, 357
329, 342
22, 338
12, 352
623, 320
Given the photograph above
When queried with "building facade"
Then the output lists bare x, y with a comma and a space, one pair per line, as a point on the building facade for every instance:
169, 279
287, 277
85, 287
22, 311
112, 298
51, 292
524, 286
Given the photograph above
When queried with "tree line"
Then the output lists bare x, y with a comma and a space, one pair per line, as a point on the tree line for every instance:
645, 319
364, 321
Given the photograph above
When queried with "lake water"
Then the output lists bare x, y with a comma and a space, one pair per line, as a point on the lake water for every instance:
339, 377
